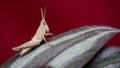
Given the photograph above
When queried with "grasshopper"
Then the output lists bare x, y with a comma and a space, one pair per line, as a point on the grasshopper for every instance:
40, 34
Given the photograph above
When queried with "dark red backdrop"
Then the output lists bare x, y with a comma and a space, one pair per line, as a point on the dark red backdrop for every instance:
19, 19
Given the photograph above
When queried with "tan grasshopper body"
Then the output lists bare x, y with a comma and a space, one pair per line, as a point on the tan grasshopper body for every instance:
42, 31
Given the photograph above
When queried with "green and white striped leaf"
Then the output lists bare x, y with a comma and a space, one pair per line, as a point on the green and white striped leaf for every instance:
108, 57
72, 49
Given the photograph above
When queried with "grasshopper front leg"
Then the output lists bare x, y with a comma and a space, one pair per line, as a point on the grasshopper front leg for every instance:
48, 34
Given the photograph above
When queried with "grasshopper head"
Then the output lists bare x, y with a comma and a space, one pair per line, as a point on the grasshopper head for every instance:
45, 25
43, 22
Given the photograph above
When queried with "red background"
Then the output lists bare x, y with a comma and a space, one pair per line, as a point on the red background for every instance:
19, 19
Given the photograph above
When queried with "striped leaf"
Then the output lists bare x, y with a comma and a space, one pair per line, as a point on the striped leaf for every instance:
72, 49
108, 57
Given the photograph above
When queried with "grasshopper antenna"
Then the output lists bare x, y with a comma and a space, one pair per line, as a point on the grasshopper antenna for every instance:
43, 10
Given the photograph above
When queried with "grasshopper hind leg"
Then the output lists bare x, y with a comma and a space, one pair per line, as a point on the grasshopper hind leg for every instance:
25, 51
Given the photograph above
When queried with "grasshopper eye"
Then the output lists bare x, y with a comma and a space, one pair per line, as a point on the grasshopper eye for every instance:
44, 23
47, 32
